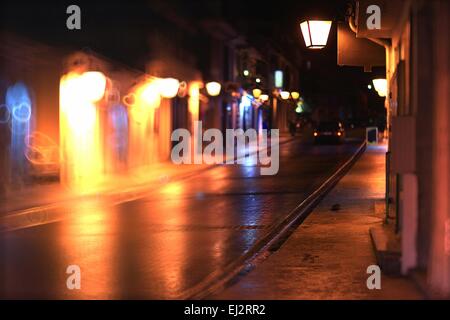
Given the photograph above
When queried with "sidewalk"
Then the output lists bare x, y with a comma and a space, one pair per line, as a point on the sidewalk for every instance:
328, 255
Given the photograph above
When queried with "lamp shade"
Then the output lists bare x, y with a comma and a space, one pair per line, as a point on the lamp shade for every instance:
257, 93
284, 95
315, 33
168, 87
213, 88
295, 95
380, 86
93, 85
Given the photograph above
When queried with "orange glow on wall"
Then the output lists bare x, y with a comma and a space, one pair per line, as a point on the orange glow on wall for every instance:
80, 155
194, 99
142, 103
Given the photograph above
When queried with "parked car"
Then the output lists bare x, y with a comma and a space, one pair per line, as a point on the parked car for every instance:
330, 131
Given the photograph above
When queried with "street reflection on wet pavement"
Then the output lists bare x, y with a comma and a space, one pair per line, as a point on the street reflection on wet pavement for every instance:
161, 245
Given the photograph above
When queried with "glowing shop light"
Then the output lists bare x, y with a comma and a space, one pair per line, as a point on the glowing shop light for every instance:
246, 73
264, 97
315, 33
258, 80
213, 88
81, 157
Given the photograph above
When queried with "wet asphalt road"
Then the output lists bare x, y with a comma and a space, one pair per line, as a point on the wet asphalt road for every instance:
162, 245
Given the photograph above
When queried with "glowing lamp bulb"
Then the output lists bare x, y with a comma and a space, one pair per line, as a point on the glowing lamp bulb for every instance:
284, 95
380, 86
295, 95
257, 93
149, 94
168, 87
93, 85
213, 88
315, 33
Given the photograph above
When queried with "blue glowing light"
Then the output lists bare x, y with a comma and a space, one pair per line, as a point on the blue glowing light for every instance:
19, 104
119, 123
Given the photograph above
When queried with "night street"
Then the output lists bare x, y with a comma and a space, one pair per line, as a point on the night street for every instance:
164, 244
219, 158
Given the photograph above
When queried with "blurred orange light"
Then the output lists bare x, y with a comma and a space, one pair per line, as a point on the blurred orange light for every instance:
93, 85
168, 87
80, 156
148, 94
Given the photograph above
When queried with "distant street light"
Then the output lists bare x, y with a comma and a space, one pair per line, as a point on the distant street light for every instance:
257, 93
246, 73
380, 86
315, 33
284, 95
295, 95
258, 80
213, 88
278, 78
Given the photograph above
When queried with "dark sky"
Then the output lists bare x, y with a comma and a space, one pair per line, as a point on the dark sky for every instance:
117, 27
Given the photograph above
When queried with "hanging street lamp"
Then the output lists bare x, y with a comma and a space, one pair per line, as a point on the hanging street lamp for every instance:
380, 86
315, 33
